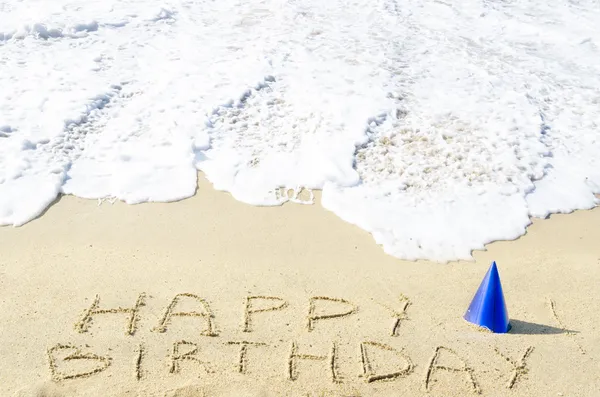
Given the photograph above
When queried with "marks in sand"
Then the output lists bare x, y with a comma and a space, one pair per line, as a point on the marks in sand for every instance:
552, 305
206, 314
95, 363
435, 366
380, 360
138, 362
243, 357
178, 356
295, 356
315, 315
369, 373
399, 315
250, 308
84, 323
519, 368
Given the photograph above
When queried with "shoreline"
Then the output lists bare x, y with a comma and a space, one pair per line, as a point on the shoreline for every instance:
302, 198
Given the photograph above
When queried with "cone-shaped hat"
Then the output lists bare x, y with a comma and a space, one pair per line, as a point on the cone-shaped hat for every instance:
488, 308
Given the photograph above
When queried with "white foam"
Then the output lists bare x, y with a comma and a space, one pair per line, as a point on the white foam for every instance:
438, 127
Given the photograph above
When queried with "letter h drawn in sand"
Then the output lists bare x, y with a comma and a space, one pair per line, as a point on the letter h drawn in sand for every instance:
170, 312
295, 356
84, 323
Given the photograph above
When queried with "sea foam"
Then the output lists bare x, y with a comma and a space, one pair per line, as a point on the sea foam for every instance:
436, 126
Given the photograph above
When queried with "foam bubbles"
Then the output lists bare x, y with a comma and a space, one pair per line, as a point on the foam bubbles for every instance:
437, 127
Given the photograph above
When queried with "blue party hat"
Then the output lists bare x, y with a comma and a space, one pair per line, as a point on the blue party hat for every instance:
488, 308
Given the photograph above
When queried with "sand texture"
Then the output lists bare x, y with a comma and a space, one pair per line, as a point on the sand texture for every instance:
211, 297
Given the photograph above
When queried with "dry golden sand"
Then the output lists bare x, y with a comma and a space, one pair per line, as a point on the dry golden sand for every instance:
403, 334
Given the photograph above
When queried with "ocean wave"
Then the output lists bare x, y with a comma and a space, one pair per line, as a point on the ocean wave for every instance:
436, 126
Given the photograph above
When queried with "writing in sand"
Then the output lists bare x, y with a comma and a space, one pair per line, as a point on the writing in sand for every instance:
379, 362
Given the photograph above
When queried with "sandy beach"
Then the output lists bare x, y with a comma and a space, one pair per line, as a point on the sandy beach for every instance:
159, 235
212, 297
